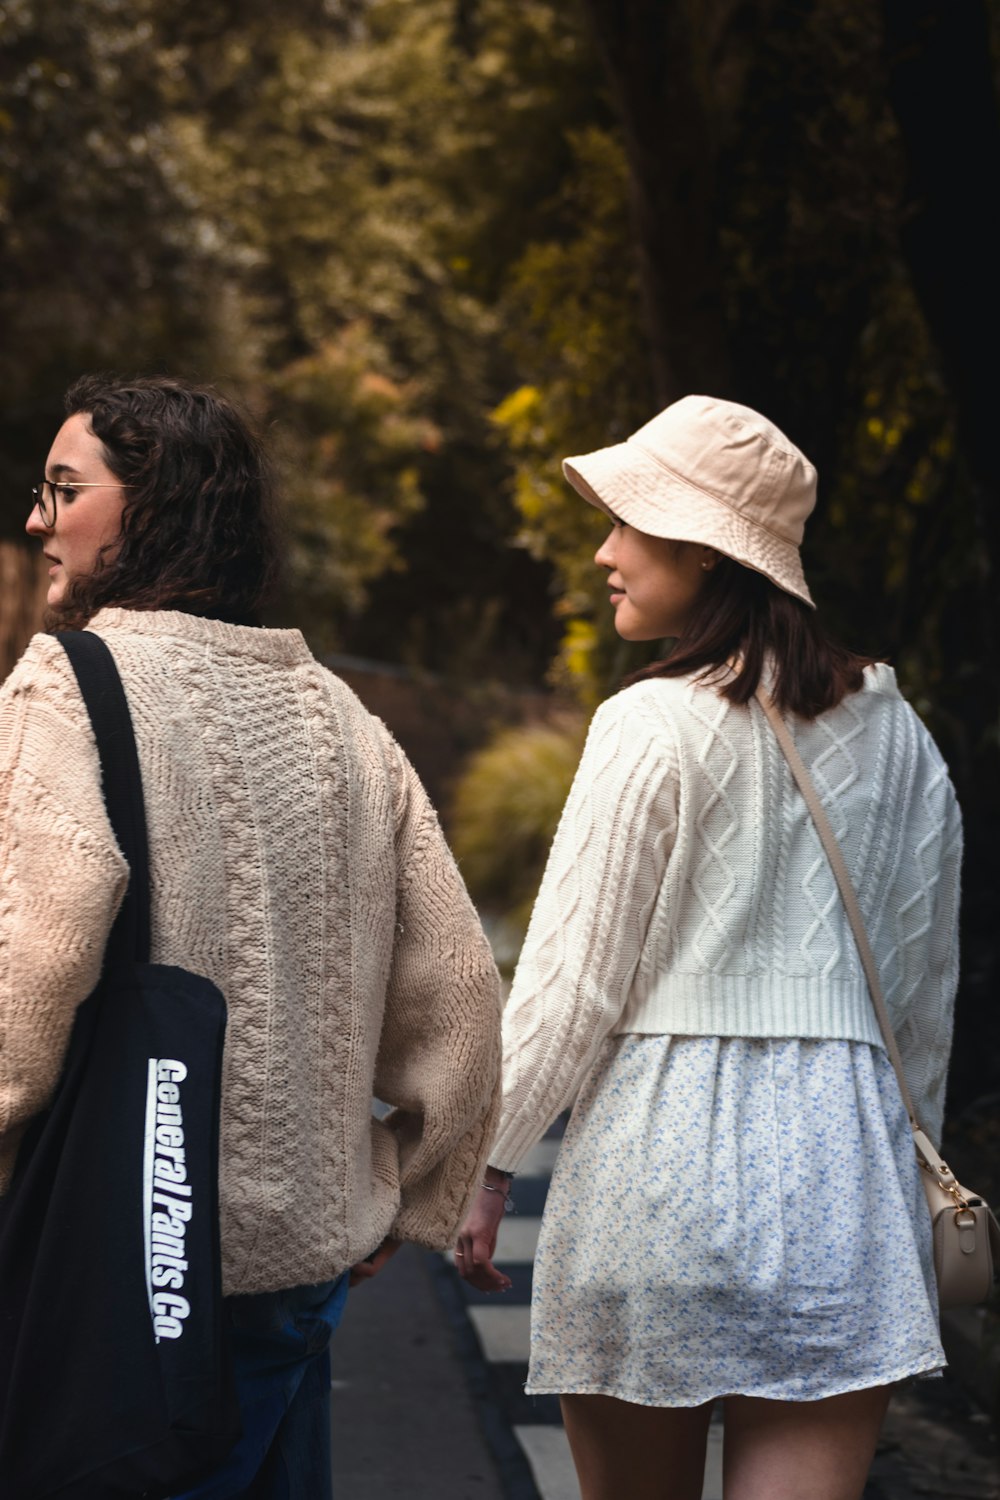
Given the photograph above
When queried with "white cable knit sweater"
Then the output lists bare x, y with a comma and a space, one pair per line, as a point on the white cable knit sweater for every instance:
687, 892
295, 861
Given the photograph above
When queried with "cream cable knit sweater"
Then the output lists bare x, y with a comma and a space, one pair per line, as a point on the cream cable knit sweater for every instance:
295, 861
687, 892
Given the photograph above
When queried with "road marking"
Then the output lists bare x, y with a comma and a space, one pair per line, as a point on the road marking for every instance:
503, 1333
540, 1159
517, 1239
713, 1464
547, 1451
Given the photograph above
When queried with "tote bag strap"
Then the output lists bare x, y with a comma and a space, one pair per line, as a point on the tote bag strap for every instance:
121, 779
924, 1146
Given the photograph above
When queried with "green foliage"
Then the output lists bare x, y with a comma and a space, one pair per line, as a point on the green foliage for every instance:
506, 809
573, 321
350, 443
308, 213
405, 231
93, 259
824, 335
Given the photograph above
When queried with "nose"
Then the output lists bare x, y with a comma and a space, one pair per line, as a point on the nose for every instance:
604, 556
34, 525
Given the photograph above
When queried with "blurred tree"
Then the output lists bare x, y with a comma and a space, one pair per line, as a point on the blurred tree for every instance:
94, 262
574, 325
943, 94
665, 63
285, 209
362, 179
440, 245
349, 445
765, 176
950, 233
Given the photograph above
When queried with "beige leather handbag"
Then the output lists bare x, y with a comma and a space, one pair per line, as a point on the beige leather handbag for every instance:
965, 1233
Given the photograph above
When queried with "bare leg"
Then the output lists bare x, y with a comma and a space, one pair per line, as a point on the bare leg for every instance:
642, 1452
801, 1450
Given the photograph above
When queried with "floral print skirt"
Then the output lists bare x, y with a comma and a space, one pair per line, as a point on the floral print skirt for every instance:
734, 1216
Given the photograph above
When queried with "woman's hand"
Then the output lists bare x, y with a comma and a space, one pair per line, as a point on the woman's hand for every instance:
372, 1264
477, 1240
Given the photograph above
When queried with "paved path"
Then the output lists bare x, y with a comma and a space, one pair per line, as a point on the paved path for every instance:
429, 1401
406, 1423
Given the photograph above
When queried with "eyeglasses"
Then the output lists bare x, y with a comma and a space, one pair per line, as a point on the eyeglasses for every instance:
44, 495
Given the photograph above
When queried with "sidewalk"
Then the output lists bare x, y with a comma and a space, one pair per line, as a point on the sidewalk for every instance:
405, 1423
936, 1445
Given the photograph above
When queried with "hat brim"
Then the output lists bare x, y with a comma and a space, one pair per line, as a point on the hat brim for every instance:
645, 495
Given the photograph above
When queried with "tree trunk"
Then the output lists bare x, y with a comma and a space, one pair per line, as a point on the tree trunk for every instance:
940, 87
23, 585
654, 53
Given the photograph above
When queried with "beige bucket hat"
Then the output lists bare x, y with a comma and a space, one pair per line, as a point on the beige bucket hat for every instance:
714, 472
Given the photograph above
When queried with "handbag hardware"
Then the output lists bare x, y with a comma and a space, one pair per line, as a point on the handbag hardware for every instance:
965, 1233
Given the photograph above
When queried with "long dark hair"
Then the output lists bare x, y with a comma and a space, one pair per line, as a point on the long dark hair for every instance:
741, 616
198, 530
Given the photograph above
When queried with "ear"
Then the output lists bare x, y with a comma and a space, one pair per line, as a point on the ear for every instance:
709, 558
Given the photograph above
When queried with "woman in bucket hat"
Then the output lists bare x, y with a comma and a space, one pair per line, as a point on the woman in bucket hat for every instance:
736, 1212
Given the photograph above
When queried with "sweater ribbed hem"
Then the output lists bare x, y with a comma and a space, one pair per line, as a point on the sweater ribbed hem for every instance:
746, 1005
764, 1005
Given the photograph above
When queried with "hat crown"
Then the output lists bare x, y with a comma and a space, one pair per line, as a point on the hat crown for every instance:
714, 473
737, 457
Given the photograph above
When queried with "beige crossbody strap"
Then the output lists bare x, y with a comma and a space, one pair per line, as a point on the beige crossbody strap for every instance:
924, 1146
829, 841
922, 1142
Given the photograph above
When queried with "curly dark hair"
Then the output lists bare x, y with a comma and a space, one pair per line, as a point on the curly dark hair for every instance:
198, 528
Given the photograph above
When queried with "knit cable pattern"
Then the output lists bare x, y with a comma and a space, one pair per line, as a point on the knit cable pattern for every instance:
687, 892
296, 862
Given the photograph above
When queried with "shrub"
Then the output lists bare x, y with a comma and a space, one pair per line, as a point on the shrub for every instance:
506, 807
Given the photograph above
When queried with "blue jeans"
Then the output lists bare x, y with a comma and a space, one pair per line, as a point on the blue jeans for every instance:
281, 1353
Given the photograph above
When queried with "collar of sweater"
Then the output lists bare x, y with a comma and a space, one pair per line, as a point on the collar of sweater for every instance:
880, 677
248, 640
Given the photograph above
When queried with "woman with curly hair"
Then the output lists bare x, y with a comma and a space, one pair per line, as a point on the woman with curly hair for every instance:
295, 861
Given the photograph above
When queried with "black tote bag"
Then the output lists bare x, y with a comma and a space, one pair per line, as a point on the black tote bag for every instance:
115, 1375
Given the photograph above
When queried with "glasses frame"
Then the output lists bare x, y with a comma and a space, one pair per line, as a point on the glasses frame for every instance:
46, 506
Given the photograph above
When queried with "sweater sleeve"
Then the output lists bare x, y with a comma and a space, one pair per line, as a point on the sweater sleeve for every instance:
62, 878
927, 911
438, 1062
589, 922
